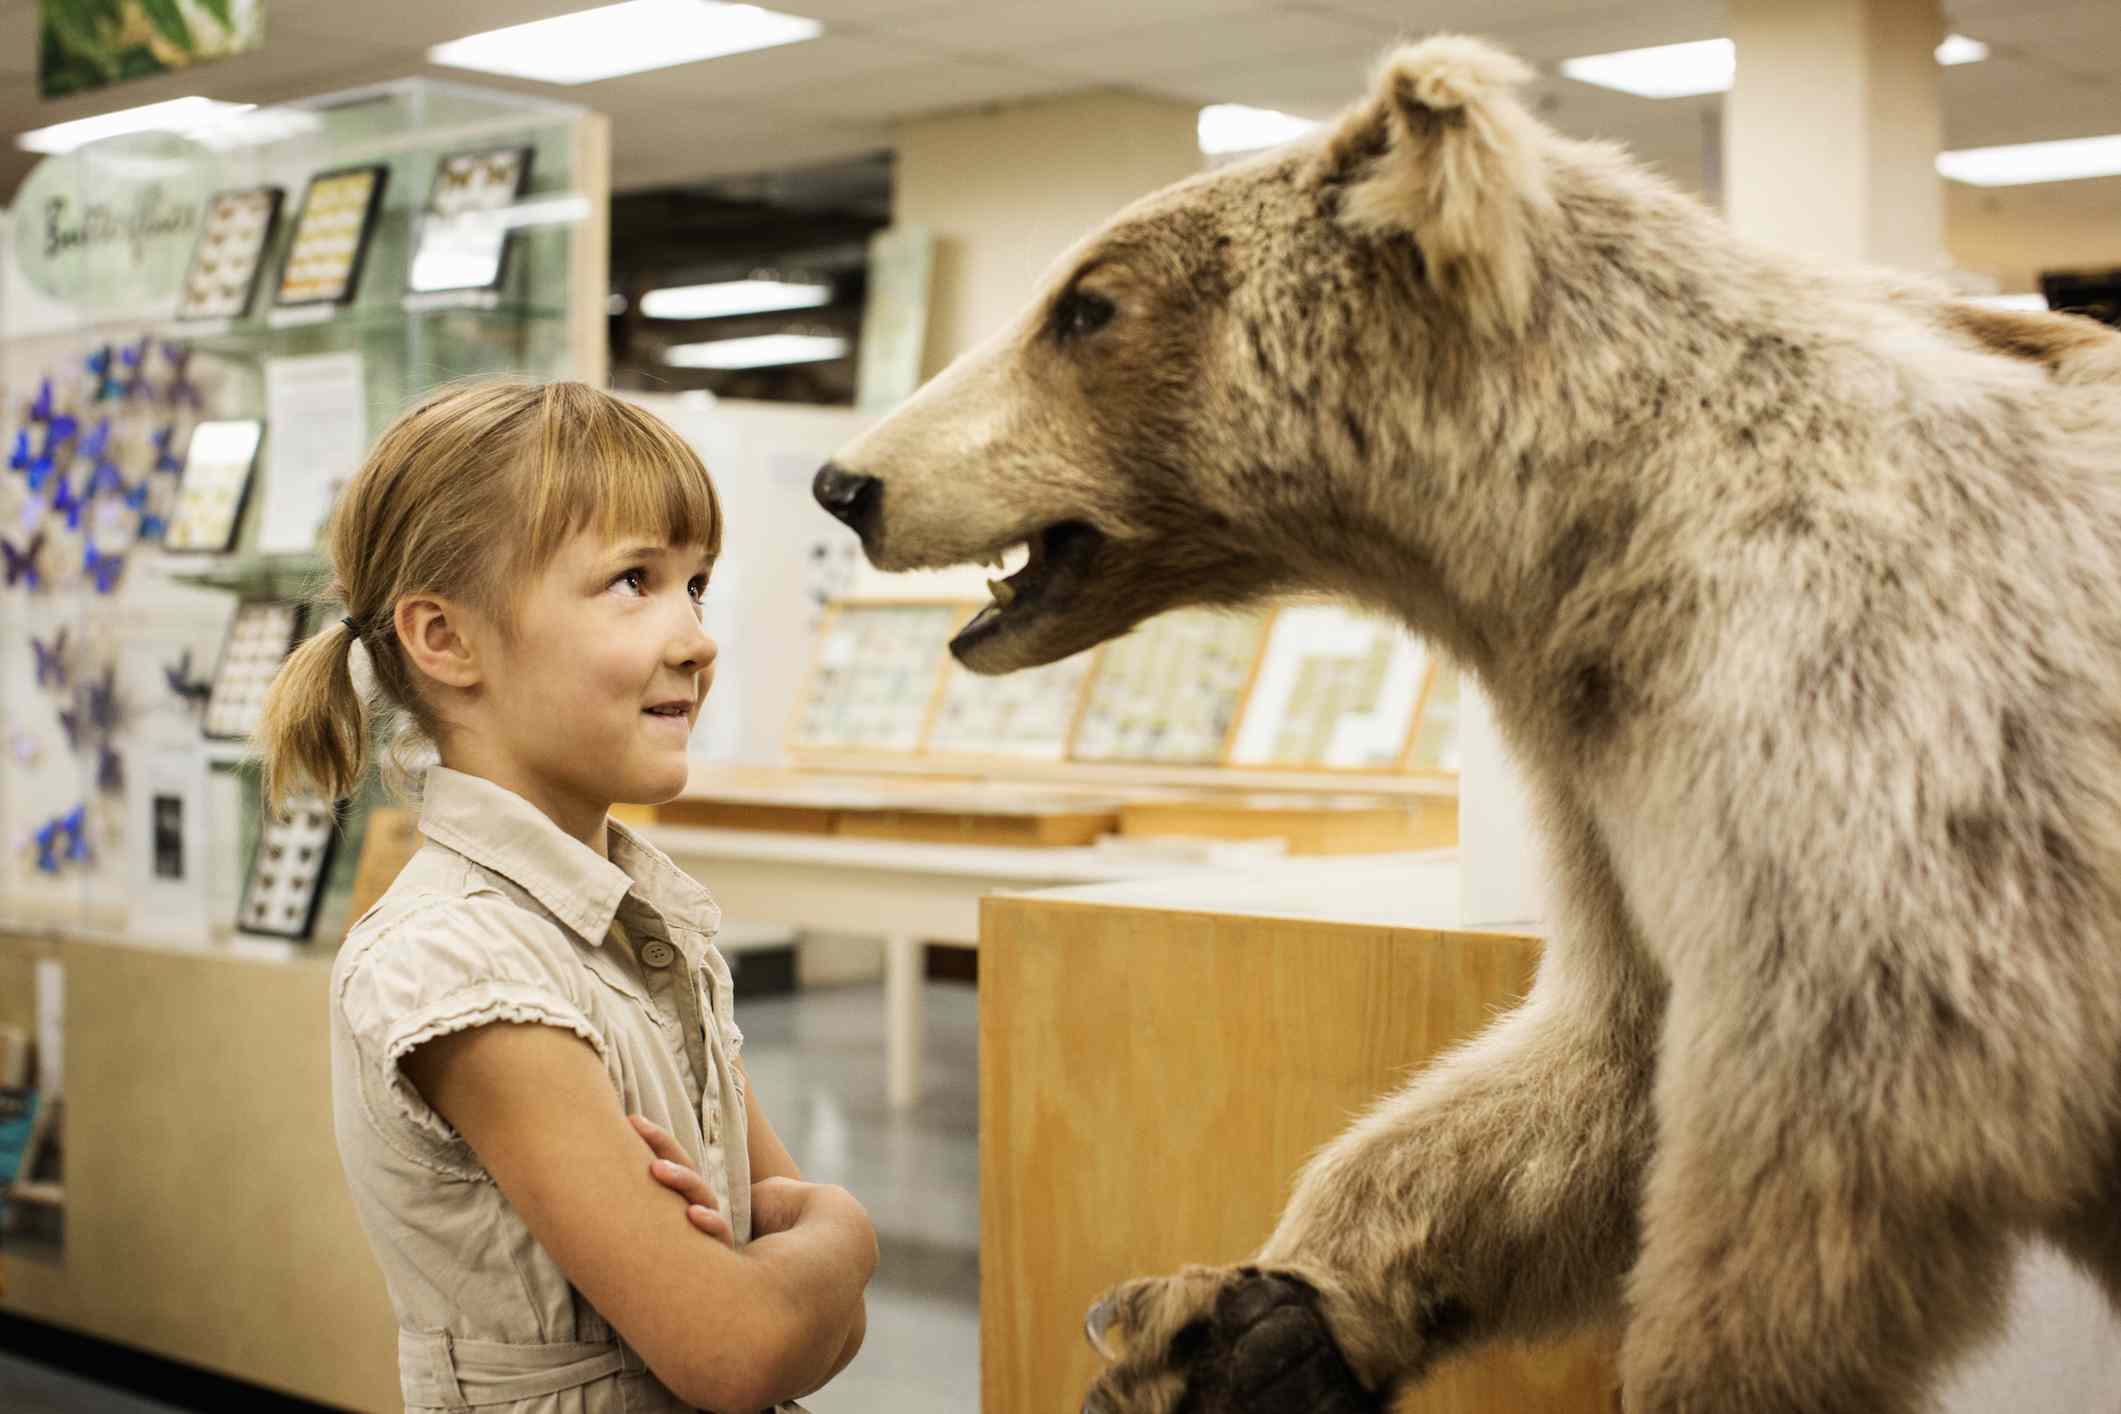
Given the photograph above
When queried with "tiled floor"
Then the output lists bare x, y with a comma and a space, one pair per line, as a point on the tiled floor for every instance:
817, 1064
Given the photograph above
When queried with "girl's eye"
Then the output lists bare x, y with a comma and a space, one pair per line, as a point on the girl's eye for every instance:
698, 588
636, 580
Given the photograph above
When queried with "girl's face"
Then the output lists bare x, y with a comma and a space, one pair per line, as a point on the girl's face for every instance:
592, 700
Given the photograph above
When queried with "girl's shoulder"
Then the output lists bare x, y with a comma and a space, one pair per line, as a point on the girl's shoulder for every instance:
448, 931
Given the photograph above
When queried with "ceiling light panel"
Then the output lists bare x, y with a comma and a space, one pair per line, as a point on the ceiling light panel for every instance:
1703, 66
2022, 164
732, 297
1232, 127
629, 38
178, 115
763, 351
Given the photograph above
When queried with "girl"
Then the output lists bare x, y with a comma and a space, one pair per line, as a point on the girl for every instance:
538, 994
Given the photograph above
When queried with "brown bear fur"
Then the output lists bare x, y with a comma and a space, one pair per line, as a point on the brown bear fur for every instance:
1797, 593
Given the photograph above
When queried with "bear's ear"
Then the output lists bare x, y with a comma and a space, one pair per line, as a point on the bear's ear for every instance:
1443, 151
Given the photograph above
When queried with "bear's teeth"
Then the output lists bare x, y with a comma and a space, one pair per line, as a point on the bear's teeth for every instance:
1002, 592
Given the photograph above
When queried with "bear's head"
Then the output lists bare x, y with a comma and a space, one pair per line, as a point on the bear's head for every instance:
1211, 398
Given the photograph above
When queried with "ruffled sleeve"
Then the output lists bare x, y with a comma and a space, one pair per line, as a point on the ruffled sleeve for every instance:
449, 966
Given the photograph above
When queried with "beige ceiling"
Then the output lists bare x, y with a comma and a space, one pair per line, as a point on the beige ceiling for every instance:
2055, 72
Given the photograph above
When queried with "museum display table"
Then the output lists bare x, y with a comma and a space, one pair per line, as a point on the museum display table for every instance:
1158, 1058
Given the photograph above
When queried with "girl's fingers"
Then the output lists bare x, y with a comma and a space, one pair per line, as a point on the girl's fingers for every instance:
708, 1221
684, 1182
659, 1139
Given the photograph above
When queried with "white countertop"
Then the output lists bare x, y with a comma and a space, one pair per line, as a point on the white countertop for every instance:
1415, 890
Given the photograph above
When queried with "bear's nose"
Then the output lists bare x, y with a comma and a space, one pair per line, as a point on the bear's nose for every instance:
849, 495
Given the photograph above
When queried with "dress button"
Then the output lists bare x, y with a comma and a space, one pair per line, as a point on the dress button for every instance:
658, 953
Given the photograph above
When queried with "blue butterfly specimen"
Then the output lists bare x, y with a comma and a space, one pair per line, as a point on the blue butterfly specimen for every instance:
75, 823
105, 568
110, 770
19, 459
59, 428
136, 496
70, 721
107, 386
47, 836
41, 410
104, 476
22, 563
165, 459
193, 690
181, 388
101, 699
51, 659
40, 472
133, 357
67, 503
152, 526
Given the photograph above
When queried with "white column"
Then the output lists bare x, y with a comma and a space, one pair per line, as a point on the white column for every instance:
1832, 128
903, 976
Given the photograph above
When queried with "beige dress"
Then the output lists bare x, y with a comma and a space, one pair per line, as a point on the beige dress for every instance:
501, 916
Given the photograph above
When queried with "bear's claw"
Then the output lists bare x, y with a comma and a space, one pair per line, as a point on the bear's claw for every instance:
1263, 1349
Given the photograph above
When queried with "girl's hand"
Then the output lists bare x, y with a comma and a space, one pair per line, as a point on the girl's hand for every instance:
671, 1170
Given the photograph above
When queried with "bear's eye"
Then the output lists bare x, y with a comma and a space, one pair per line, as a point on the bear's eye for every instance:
1079, 314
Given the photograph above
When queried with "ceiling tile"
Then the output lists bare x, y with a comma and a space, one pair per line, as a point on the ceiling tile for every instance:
1027, 29
931, 87
1189, 47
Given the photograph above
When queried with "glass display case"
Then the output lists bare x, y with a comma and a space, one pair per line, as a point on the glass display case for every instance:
200, 334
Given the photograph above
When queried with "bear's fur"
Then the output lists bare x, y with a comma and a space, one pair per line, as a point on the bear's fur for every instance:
1798, 595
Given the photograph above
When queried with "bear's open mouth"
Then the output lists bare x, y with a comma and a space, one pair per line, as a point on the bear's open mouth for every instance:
1060, 562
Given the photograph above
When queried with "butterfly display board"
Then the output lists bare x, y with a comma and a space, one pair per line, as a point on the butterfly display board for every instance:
223, 277
285, 884
259, 640
463, 240
218, 468
1170, 692
331, 236
1026, 716
142, 463
1336, 690
876, 676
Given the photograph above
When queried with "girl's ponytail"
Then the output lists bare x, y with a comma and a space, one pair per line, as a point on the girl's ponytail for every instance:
313, 734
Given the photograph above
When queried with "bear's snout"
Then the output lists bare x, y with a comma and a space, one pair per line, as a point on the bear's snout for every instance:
850, 496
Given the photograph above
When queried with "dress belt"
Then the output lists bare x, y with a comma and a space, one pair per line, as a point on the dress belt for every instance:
436, 1369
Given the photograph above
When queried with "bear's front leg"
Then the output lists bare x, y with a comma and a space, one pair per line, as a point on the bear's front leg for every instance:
1494, 1196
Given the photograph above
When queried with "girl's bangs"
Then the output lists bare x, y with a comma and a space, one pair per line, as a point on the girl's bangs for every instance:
619, 472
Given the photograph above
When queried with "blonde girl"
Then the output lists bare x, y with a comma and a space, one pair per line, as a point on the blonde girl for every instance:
532, 1046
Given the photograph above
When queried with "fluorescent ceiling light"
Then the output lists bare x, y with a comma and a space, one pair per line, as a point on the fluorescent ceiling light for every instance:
175, 115
732, 297
764, 351
2027, 162
1703, 66
2029, 302
1667, 71
1232, 127
622, 39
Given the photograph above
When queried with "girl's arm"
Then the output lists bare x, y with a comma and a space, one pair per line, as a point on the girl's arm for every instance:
770, 1159
536, 1106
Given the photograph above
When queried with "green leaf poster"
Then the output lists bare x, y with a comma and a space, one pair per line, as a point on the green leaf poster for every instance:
85, 44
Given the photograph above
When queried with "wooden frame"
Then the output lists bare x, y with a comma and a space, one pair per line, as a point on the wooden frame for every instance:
1222, 749
1437, 667
275, 199
799, 749
1396, 762
364, 235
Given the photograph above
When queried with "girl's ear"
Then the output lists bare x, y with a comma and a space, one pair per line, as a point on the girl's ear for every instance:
1443, 152
435, 634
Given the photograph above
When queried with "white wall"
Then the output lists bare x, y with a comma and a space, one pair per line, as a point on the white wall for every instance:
1007, 190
